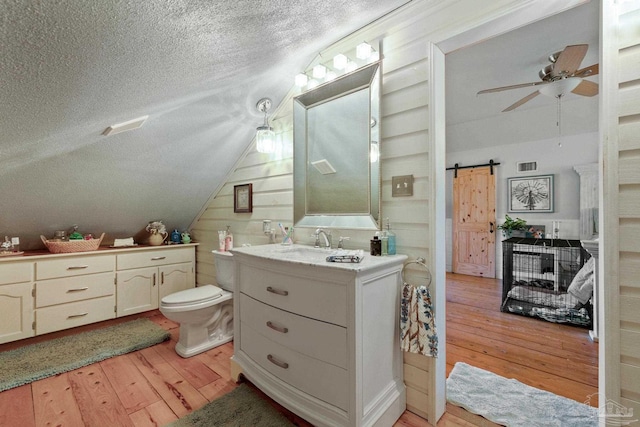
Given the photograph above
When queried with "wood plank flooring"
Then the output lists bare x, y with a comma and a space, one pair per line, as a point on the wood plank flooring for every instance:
154, 386
550, 356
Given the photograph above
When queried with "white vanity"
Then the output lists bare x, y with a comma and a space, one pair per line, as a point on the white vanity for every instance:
42, 292
320, 338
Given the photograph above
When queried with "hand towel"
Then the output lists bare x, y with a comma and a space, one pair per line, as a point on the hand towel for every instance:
581, 286
346, 256
417, 323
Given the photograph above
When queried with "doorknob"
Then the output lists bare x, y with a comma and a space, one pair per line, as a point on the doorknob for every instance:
491, 227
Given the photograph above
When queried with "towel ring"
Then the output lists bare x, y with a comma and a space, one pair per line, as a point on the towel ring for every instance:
421, 262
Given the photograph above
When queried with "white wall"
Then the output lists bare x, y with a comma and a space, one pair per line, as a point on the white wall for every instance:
552, 159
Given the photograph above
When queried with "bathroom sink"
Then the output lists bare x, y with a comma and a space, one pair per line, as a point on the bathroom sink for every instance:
292, 253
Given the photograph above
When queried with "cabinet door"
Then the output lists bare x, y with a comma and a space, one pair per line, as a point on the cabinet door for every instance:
174, 278
137, 291
16, 312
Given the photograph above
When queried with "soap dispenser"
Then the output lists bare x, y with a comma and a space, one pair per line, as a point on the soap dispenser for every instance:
391, 240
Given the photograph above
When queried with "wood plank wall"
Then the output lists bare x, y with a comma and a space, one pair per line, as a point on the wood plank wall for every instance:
628, 207
405, 37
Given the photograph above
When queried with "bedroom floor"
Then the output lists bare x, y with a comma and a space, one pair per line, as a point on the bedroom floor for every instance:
550, 356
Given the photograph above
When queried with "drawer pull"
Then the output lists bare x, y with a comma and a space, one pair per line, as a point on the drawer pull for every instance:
276, 362
158, 258
277, 328
277, 291
78, 289
73, 316
77, 267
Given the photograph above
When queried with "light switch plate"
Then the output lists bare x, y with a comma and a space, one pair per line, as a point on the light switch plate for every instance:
402, 186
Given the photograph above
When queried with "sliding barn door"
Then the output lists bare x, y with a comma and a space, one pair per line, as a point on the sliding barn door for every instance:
474, 222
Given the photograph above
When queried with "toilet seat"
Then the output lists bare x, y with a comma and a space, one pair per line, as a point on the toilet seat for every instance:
195, 296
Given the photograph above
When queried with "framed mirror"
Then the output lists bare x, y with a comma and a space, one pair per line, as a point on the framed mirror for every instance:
336, 167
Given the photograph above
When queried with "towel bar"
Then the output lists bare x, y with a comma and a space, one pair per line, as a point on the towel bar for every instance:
421, 262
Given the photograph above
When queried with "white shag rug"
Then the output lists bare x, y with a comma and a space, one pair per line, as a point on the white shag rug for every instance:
512, 403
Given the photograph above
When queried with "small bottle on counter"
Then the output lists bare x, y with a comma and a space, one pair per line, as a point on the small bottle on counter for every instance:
391, 240
228, 239
376, 246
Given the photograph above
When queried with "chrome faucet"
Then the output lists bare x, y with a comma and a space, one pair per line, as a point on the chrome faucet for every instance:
327, 238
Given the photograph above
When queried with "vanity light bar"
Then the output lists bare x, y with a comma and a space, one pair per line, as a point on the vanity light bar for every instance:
340, 64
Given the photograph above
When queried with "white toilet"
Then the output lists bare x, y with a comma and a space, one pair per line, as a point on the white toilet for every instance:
205, 313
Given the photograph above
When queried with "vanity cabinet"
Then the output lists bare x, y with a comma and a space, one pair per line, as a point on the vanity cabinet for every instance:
16, 302
144, 278
321, 339
73, 291
42, 292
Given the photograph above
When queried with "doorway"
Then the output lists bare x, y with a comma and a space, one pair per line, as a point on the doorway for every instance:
509, 124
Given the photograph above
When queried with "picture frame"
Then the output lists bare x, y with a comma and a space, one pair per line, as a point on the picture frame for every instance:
243, 198
530, 194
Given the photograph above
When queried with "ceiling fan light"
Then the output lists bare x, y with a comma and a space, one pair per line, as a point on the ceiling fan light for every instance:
560, 87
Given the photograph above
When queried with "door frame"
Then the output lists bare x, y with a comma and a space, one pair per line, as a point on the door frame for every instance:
533, 11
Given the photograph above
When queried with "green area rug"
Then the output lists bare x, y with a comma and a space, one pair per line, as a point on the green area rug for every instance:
242, 407
48, 358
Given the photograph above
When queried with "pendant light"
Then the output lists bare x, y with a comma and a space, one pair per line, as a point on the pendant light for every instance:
265, 137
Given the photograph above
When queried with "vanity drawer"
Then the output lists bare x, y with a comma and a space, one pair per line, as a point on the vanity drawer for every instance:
64, 316
59, 291
326, 301
313, 338
16, 272
322, 380
155, 257
74, 266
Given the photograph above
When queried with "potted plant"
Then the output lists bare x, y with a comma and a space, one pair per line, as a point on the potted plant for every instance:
510, 225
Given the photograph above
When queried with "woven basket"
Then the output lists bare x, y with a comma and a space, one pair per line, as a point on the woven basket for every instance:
72, 245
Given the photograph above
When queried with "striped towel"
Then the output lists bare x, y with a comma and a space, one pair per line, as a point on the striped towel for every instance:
418, 330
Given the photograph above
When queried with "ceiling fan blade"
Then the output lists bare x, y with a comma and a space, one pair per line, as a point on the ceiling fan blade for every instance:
591, 70
522, 101
500, 89
569, 60
586, 88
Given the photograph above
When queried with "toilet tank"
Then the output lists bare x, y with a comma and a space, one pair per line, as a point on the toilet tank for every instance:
224, 269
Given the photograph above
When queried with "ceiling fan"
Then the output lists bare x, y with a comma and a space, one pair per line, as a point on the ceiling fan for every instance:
559, 77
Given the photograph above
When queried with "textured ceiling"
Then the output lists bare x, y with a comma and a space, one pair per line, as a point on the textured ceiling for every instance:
70, 68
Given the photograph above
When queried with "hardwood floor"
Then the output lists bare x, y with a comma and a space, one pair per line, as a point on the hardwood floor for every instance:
154, 386
550, 356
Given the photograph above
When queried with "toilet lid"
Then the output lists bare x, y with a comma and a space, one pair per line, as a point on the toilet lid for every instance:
193, 295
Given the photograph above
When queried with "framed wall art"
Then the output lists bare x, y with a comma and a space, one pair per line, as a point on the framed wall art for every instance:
530, 194
243, 198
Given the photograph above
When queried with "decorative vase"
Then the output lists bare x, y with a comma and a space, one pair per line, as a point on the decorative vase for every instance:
156, 239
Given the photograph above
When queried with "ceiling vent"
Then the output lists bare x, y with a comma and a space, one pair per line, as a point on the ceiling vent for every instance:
125, 126
524, 167
324, 167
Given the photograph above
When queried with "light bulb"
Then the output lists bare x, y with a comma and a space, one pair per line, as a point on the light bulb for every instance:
301, 80
340, 61
363, 50
312, 83
330, 76
319, 71
351, 66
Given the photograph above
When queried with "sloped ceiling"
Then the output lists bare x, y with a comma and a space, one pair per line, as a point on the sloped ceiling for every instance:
476, 121
71, 68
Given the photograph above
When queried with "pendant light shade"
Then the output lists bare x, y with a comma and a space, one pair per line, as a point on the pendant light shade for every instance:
265, 136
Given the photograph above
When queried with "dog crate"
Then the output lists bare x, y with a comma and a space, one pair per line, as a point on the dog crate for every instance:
536, 277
